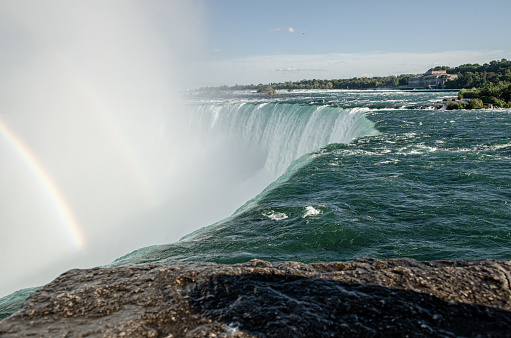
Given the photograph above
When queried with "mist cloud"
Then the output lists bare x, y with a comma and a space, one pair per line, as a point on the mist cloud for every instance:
91, 89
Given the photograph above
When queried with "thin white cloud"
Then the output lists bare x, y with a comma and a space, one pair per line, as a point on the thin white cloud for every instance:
288, 69
291, 69
291, 30
275, 29
218, 51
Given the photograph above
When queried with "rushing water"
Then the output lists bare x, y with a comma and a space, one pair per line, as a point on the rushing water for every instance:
355, 174
376, 179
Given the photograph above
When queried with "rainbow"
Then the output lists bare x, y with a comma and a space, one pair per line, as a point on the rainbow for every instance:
80, 83
72, 227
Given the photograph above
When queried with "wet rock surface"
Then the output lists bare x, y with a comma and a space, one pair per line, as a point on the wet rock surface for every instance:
366, 297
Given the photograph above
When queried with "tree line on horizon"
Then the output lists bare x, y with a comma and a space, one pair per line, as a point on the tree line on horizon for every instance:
469, 76
485, 86
391, 81
478, 76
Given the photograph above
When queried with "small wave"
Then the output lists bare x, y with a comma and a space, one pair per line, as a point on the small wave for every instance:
311, 211
417, 150
391, 161
276, 216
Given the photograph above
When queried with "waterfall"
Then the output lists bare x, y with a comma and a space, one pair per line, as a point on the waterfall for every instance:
281, 131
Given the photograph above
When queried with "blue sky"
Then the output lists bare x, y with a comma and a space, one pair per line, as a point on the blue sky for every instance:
263, 41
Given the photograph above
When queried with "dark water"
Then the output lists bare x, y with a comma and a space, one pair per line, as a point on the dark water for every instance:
357, 174
391, 182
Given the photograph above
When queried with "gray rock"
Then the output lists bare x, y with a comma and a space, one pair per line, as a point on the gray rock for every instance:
365, 298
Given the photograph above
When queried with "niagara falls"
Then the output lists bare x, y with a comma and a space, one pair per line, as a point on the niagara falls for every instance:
222, 168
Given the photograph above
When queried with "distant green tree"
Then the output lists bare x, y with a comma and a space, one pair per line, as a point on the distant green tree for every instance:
506, 93
494, 101
475, 104
475, 75
266, 89
392, 82
403, 81
456, 105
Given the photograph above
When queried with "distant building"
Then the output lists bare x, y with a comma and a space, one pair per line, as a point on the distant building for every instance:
432, 79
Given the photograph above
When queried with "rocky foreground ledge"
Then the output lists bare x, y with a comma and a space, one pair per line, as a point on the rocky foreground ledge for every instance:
366, 297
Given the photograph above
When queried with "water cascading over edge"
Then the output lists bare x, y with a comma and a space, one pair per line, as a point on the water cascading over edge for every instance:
283, 132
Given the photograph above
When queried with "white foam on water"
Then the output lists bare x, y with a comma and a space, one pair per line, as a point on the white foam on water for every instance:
311, 211
276, 216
